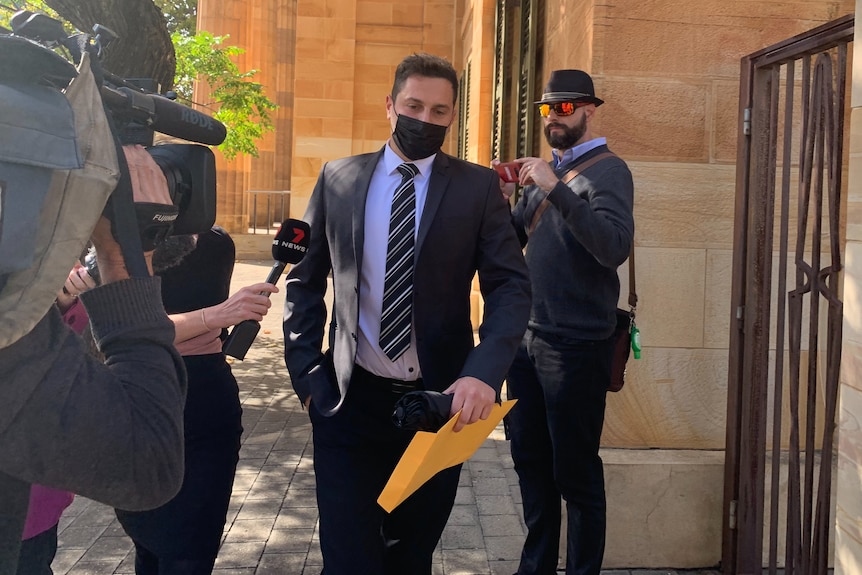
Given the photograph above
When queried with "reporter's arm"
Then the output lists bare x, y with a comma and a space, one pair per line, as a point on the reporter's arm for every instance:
247, 303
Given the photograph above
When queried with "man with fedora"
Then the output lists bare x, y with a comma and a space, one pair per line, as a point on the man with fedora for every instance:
576, 212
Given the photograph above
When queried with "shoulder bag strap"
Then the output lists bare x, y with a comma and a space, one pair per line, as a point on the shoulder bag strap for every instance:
570, 175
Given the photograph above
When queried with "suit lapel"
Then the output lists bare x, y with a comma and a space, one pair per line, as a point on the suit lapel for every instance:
436, 188
360, 195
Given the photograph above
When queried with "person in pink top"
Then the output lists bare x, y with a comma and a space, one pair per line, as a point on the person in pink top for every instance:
39, 540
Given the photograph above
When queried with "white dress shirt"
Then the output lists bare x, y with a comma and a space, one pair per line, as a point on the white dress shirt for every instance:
378, 205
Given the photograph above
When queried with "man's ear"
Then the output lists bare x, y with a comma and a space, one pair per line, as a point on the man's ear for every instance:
390, 105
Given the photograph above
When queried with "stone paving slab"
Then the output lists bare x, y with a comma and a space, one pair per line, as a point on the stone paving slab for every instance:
271, 524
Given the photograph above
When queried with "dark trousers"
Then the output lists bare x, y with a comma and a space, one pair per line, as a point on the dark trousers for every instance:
37, 553
555, 429
355, 452
182, 537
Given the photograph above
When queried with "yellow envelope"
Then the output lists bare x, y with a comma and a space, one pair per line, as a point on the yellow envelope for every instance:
430, 453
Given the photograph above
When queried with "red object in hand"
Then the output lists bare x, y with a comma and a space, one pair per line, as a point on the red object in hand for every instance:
508, 171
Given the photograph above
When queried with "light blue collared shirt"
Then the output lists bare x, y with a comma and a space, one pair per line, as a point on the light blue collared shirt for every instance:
378, 205
577, 151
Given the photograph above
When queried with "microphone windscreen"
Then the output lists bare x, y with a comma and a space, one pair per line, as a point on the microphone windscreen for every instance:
187, 123
291, 241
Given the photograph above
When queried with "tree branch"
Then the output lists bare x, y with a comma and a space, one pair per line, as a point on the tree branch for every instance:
143, 48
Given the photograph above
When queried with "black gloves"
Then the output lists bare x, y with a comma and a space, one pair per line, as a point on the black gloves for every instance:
422, 411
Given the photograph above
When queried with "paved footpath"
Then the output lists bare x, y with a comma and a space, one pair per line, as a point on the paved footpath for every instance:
272, 519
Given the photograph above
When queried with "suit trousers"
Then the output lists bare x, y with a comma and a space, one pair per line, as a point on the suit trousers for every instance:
555, 430
355, 451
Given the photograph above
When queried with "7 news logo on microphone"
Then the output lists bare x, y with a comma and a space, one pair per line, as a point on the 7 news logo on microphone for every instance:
297, 244
291, 242
288, 247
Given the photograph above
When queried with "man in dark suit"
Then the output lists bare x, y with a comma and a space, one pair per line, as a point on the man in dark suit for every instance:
401, 319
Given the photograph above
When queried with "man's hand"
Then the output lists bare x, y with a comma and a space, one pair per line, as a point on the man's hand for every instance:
473, 398
537, 171
148, 185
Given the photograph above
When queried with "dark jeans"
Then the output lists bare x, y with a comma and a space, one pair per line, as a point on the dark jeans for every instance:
555, 429
355, 452
37, 553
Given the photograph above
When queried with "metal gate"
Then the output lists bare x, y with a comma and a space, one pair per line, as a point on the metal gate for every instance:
785, 341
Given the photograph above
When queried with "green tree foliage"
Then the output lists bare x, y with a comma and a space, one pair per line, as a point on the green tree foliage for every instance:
235, 98
242, 105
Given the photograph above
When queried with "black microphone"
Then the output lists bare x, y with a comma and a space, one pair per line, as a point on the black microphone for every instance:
166, 116
288, 247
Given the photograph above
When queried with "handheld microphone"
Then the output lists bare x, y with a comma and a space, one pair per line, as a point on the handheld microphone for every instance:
166, 116
288, 247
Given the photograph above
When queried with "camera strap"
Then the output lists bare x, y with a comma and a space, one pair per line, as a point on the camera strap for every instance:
120, 209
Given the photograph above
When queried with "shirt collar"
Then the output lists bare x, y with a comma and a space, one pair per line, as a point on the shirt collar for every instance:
577, 151
391, 161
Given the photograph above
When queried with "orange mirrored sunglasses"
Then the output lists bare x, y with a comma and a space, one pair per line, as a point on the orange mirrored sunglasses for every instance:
561, 108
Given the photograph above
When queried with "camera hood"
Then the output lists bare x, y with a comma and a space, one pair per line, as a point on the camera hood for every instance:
29, 62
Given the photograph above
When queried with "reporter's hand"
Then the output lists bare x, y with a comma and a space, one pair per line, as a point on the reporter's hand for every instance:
77, 283
148, 185
250, 302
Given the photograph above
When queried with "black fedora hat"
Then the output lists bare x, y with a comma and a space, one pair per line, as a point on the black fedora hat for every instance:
570, 85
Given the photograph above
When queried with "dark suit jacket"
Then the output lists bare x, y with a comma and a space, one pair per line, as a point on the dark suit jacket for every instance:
465, 228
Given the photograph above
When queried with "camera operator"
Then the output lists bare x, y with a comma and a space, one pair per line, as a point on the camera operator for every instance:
111, 432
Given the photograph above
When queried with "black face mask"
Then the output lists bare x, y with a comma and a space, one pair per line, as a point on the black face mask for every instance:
417, 139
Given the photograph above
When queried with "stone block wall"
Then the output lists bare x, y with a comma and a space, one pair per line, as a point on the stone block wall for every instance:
266, 31
669, 73
848, 539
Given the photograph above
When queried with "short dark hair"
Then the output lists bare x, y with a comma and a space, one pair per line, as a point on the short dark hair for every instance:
427, 65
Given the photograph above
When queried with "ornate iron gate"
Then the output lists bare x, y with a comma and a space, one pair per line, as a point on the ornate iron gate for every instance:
785, 342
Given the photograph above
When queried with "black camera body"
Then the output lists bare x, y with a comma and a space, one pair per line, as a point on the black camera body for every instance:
137, 111
191, 175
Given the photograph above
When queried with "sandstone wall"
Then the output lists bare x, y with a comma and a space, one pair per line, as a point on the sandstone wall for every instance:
848, 540
669, 72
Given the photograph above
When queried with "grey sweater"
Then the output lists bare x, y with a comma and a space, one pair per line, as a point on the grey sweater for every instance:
112, 432
575, 249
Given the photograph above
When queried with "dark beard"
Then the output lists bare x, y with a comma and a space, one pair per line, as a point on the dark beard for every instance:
171, 252
569, 137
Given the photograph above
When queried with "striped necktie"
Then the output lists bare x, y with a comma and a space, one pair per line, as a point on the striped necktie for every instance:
395, 316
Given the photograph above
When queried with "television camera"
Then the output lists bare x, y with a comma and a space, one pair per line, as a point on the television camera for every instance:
136, 111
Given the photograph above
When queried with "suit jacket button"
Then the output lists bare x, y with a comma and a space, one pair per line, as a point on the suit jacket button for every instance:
353, 335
